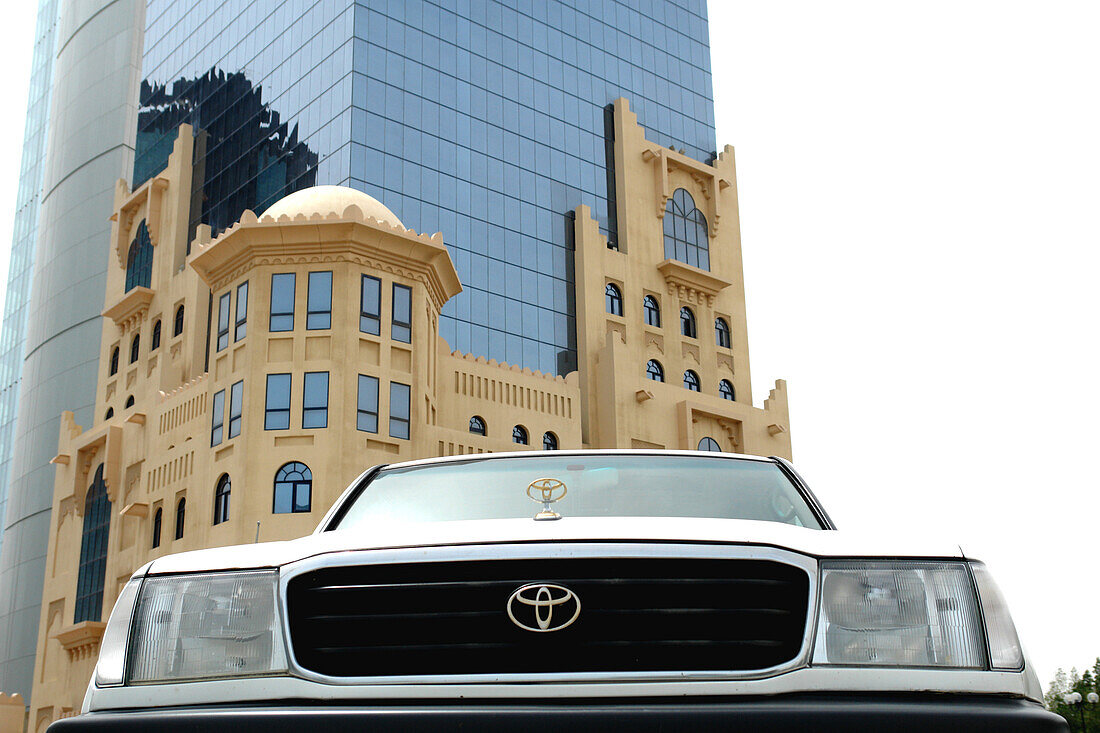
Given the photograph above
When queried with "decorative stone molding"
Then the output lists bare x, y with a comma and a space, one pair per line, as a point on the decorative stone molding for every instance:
81, 641
129, 311
706, 177
690, 284
152, 191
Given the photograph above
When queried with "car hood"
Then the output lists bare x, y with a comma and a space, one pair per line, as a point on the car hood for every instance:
812, 542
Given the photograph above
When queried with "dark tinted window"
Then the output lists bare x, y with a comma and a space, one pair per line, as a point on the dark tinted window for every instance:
366, 418
293, 489
315, 400
319, 301
399, 410
93, 551
277, 403
241, 327
236, 407
370, 305
223, 320
218, 417
402, 314
139, 260
686, 234
221, 499
282, 302
613, 299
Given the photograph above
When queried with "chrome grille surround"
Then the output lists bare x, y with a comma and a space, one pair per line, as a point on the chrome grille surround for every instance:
549, 551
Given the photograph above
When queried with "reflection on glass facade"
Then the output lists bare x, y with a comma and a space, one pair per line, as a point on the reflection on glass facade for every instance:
21, 263
486, 120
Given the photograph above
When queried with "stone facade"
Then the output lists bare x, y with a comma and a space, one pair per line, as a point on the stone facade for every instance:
171, 426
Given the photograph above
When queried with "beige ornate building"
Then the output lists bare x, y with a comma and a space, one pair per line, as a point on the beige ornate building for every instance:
245, 381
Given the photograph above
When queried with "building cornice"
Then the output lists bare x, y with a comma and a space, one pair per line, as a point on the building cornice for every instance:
334, 238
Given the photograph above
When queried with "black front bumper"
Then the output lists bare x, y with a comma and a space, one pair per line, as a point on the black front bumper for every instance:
817, 713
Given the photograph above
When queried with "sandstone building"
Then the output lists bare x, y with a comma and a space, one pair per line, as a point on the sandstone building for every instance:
246, 379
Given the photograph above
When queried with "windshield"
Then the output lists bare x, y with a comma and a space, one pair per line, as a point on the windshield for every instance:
595, 485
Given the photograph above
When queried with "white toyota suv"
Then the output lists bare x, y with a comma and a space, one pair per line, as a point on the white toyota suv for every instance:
567, 591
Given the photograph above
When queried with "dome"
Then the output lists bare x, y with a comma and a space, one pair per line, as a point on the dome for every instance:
324, 200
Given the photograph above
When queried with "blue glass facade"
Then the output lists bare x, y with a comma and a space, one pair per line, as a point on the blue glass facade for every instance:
21, 262
484, 119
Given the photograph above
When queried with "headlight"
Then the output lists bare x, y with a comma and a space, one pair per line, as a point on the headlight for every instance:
906, 614
111, 666
206, 626
1004, 645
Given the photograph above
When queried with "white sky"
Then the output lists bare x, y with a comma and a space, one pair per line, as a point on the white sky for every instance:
919, 187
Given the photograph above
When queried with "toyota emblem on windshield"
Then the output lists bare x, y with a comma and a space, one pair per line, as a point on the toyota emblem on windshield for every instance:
543, 607
546, 491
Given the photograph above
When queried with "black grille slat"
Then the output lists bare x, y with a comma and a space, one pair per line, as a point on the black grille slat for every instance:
447, 618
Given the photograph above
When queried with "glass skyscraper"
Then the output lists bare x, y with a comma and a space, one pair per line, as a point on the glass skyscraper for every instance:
487, 120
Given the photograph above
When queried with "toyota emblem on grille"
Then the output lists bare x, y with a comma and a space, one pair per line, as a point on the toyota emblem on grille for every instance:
543, 607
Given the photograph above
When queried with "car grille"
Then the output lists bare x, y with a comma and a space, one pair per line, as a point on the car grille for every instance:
637, 615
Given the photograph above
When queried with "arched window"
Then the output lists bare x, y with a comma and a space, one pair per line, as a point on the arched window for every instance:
722, 333
93, 551
710, 444
691, 381
652, 310
181, 510
177, 326
109, 414
725, 390
135, 348
686, 231
549, 441
154, 342
613, 299
221, 499
519, 435
114, 362
130, 401
654, 371
293, 489
477, 425
139, 262
158, 520
687, 322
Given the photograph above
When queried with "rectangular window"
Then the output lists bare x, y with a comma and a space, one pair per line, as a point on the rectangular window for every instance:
277, 403
223, 320
399, 410
370, 305
218, 418
367, 418
241, 329
282, 302
236, 402
402, 314
319, 301
315, 400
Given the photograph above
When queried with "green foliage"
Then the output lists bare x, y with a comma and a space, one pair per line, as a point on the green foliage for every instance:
1083, 713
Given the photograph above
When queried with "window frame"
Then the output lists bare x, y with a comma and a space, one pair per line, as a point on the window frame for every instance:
236, 409
217, 418
181, 518
154, 340
177, 321
651, 311
613, 299
397, 419
359, 407
659, 372
294, 486
401, 330
225, 304
722, 333
277, 287
312, 413
520, 436
549, 441
135, 348
222, 491
366, 317
692, 382
319, 318
723, 383
484, 426
240, 325
688, 323
277, 410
